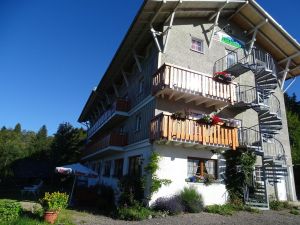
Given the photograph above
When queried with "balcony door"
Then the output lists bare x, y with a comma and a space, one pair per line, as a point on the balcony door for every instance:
231, 58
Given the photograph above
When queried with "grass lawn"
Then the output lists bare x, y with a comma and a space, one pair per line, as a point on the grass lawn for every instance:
64, 217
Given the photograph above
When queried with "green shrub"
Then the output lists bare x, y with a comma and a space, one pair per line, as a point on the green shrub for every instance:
135, 212
295, 212
9, 210
280, 205
224, 210
132, 190
55, 201
191, 200
171, 205
106, 199
251, 210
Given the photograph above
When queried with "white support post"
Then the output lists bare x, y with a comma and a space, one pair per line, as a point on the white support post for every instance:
213, 27
258, 26
286, 70
254, 30
292, 82
116, 90
125, 78
154, 33
137, 61
239, 9
168, 30
107, 98
155, 38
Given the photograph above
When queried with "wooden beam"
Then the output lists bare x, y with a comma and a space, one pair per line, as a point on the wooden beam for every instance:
290, 57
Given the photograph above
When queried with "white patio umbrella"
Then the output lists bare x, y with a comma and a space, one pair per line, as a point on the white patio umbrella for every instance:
76, 169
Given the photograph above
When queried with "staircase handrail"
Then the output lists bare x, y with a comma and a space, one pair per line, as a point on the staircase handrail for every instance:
274, 104
256, 58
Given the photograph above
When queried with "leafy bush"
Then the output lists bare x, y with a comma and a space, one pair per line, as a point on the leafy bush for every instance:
9, 210
106, 199
135, 212
295, 212
132, 190
224, 210
55, 201
191, 200
172, 205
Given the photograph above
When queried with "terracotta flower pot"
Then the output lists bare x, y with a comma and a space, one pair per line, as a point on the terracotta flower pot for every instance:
50, 217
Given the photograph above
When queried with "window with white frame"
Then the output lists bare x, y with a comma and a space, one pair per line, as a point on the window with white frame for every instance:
138, 123
199, 167
197, 45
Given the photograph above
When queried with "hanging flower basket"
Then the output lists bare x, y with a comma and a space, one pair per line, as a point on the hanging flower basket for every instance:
223, 77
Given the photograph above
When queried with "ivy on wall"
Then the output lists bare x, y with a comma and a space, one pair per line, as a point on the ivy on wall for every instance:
239, 171
151, 170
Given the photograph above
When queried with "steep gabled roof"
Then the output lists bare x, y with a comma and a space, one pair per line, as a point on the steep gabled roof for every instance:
247, 14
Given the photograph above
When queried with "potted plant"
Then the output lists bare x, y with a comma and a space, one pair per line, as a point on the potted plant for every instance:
223, 77
210, 120
52, 204
178, 116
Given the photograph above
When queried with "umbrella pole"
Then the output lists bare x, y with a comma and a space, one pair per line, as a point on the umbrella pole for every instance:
71, 195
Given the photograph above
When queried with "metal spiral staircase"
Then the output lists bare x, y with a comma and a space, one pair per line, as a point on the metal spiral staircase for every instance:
261, 138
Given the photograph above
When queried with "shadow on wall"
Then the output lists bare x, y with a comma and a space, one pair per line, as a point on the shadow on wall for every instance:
297, 180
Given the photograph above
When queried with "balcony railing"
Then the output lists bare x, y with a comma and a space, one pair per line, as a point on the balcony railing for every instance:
113, 139
238, 62
119, 108
178, 82
166, 129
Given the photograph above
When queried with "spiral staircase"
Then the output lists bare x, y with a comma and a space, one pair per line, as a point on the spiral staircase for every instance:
261, 138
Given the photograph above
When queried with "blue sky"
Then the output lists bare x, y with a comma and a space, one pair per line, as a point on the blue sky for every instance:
53, 52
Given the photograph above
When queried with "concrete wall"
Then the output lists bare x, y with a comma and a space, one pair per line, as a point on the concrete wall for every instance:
173, 166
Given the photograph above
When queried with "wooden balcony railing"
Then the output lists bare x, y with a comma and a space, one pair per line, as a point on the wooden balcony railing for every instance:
191, 82
163, 127
111, 139
120, 105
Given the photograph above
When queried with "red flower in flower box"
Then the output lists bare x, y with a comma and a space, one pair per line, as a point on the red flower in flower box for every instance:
215, 120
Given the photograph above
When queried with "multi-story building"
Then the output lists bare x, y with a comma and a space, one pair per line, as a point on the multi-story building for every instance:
195, 58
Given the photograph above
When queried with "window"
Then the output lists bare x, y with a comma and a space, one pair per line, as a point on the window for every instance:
200, 167
107, 166
231, 58
118, 169
141, 86
138, 123
134, 168
197, 45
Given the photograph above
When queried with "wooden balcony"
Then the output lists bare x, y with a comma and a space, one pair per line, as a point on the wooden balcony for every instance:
113, 141
190, 133
178, 83
116, 113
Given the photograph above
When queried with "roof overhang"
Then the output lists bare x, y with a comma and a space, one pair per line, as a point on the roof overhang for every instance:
247, 14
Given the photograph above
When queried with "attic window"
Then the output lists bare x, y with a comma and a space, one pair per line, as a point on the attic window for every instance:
197, 45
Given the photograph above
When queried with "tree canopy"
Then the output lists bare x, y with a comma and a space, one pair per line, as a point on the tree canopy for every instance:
293, 115
17, 144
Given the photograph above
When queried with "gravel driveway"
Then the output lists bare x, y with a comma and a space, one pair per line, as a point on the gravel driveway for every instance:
240, 218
